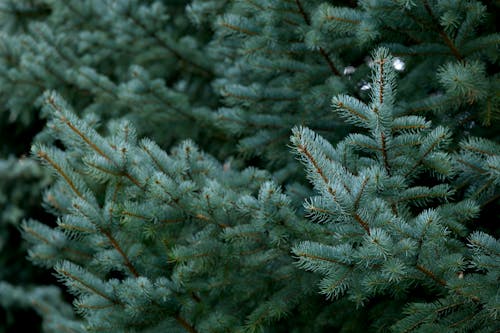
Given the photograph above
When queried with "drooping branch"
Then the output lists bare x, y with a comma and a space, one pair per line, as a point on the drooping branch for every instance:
442, 33
322, 51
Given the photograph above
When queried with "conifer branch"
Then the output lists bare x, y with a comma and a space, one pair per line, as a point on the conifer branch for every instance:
256, 5
419, 197
195, 297
476, 149
339, 282
463, 320
341, 105
70, 227
121, 252
491, 200
424, 155
132, 179
424, 318
46, 241
226, 93
484, 187
384, 154
172, 106
301, 148
381, 82
305, 151
427, 107
239, 29
360, 193
341, 19
28, 82
253, 124
88, 286
396, 128
315, 257
63, 119
320, 210
366, 146
36, 235
329, 61
418, 54
302, 12
209, 219
76, 65
154, 159
362, 222
431, 275
256, 250
103, 170
442, 33
145, 218
184, 239
443, 283
204, 71
43, 155
87, 140
114, 243
115, 196
322, 51
53, 202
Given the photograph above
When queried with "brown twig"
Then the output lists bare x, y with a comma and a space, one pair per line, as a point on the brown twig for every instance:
384, 154
183, 322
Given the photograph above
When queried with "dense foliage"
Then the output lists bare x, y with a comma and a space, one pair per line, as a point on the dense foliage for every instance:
250, 165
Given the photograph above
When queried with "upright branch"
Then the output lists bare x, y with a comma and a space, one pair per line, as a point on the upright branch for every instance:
44, 156
384, 153
86, 139
303, 150
381, 82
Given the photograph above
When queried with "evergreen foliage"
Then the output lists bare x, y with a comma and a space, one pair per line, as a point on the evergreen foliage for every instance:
169, 239
287, 58
392, 232
175, 197
103, 56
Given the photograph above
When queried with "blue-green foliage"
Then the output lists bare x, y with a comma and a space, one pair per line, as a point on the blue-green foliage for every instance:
150, 240
14, 198
399, 229
286, 58
393, 233
48, 302
141, 59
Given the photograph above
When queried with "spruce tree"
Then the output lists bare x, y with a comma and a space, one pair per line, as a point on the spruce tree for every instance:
174, 196
287, 58
103, 56
394, 234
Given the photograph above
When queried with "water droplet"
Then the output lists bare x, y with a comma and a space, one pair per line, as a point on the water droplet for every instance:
366, 86
349, 70
369, 61
398, 64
